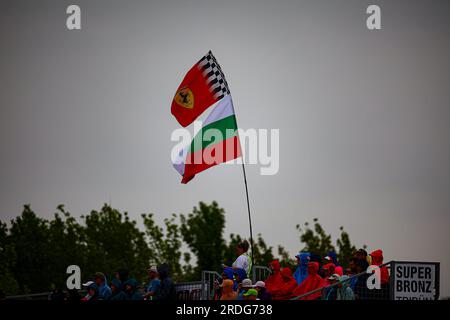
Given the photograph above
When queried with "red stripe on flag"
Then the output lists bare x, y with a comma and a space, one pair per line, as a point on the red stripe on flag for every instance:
212, 155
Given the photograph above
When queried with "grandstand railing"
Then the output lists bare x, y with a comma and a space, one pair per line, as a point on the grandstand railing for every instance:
210, 282
260, 273
211, 279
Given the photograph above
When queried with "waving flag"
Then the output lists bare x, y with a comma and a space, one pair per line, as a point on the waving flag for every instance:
203, 85
218, 140
215, 143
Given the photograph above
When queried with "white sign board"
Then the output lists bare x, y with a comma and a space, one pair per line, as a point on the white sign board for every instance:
415, 280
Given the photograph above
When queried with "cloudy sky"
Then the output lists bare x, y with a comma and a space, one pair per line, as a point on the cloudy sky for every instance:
363, 115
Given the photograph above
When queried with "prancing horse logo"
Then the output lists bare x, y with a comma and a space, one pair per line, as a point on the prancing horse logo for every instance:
185, 98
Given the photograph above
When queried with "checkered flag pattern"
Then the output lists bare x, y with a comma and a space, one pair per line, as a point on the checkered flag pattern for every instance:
214, 76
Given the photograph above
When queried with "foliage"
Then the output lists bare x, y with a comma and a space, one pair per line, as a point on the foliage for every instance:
29, 234
202, 230
8, 259
286, 260
164, 246
113, 241
317, 241
346, 249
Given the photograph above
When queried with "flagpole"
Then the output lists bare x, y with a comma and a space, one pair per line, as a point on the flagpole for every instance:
246, 193
248, 210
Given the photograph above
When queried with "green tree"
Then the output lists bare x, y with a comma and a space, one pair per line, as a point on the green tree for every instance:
8, 283
202, 230
29, 234
316, 240
345, 248
113, 241
262, 252
229, 253
67, 246
165, 247
286, 259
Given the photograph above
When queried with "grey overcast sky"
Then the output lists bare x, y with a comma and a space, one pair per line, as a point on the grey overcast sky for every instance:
363, 115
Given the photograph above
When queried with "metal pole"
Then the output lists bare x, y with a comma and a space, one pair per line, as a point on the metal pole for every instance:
246, 193
249, 214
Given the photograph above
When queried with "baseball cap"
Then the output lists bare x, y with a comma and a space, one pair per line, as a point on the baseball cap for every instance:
251, 292
88, 283
246, 283
334, 276
260, 284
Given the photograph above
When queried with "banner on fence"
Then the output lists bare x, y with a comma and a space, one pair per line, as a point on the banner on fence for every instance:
415, 280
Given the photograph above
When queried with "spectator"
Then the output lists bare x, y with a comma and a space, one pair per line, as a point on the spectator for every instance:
331, 291
104, 291
167, 287
228, 273
92, 291
251, 294
131, 290
339, 271
311, 283
361, 254
122, 275
361, 291
284, 291
244, 286
332, 257
328, 271
274, 280
351, 271
344, 292
377, 260
243, 261
116, 290
240, 275
227, 290
263, 294
301, 272
154, 283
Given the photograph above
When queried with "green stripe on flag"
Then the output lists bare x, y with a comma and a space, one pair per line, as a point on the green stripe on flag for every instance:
220, 126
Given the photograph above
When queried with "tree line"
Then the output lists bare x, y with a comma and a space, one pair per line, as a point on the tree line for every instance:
35, 252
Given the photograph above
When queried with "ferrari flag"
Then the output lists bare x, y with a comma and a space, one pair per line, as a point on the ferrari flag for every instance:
203, 85
217, 141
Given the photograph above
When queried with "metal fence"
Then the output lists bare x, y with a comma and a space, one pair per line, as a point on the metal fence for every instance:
188, 290
260, 273
210, 282
211, 279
